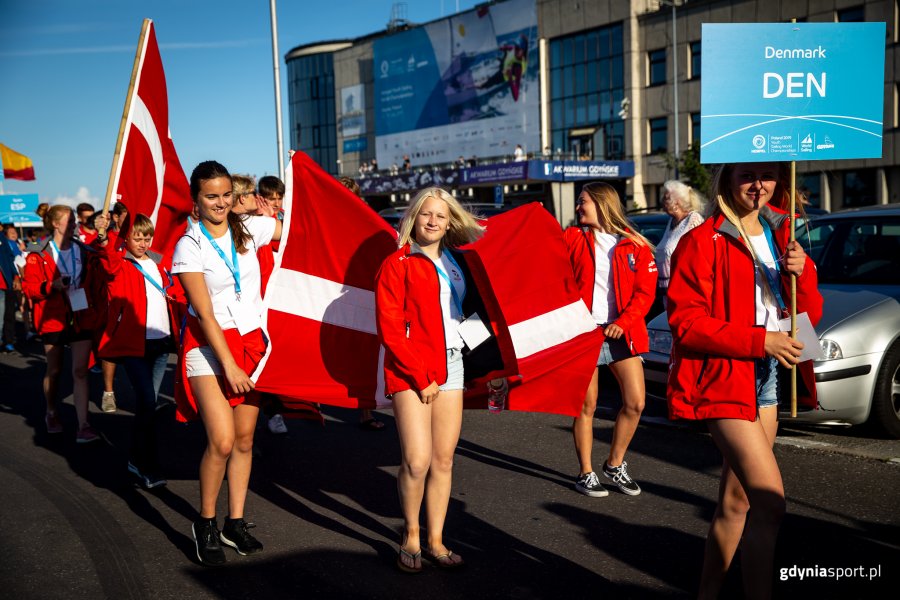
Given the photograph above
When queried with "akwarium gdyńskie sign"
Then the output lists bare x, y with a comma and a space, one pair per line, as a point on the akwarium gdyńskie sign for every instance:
792, 91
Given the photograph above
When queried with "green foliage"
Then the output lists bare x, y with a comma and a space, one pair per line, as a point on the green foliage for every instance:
690, 170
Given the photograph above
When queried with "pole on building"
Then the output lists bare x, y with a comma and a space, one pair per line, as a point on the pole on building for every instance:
675, 80
277, 72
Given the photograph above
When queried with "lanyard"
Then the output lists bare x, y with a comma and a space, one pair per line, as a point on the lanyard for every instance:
456, 299
773, 285
146, 275
71, 257
232, 265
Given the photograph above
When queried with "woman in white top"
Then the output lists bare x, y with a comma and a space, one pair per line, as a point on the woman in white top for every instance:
685, 206
217, 265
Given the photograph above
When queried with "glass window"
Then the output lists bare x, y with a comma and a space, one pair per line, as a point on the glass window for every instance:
556, 83
555, 48
851, 15
603, 72
695, 60
590, 47
615, 41
615, 140
567, 51
861, 251
568, 81
659, 135
618, 75
603, 47
695, 130
579, 78
591, 77
578, 50
593, 108
556, 119
569, 110
859, 188
581, 110
657, 67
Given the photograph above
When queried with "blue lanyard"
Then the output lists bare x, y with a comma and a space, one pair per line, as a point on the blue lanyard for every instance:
774, 285
148, 278
71, 256
232, 265
456, 299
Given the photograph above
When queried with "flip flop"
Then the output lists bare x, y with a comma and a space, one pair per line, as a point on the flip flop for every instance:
371, 424
412, 558
447, 560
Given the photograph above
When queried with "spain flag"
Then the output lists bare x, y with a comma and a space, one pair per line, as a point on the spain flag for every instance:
15, 165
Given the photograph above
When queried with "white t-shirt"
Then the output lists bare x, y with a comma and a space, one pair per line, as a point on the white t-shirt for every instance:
452, 315
766, 307
604, 306
64, 262
157, 311
194, 253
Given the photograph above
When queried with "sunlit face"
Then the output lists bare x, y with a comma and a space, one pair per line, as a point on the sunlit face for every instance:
432, 221
671, 206
65, 224
275, 199
586, 210
214, 200
138, 243
752, 185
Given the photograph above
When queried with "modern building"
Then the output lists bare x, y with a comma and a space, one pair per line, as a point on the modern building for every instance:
585, 88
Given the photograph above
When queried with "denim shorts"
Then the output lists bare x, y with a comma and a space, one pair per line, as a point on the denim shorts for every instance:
769, 384
455, 376
201, 361
613, 351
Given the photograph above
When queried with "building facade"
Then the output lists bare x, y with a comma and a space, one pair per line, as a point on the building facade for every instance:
607, 97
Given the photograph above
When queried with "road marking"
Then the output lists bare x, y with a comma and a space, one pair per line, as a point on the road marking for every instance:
800, 443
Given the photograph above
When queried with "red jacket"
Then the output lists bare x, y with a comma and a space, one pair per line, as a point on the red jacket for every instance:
52, 312
125, 327
410, 322
634, 280
712, 314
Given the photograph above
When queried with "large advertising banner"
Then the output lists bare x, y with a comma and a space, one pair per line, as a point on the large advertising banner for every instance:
792, 91
462, 86
353, 111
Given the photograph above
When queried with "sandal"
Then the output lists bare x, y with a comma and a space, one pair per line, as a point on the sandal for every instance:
413, 558
447, 560
371, 424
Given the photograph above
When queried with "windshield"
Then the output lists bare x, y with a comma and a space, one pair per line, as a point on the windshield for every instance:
856, 251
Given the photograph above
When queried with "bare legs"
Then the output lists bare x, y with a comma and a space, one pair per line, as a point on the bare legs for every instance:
80, 355
229, 434
630, 375
428, 437
750, 478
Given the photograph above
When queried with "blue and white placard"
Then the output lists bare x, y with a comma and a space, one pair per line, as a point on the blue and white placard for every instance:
792, 91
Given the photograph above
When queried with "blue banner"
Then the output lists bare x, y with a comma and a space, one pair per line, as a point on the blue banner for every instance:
356, 145
502, 172
792, 91
579, 170
18, 209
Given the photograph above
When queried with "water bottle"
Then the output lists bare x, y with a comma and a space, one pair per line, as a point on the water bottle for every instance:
497, 392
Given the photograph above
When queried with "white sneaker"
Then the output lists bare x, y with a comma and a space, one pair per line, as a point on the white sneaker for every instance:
108, 402
277, 425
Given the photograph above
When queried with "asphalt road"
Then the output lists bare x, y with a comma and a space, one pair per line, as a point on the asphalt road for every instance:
324, 500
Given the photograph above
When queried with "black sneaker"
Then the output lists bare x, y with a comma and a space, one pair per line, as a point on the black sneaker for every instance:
621, 478
589, 485
235, 534
206, 536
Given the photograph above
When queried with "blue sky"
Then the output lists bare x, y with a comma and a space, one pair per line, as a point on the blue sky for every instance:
65, 67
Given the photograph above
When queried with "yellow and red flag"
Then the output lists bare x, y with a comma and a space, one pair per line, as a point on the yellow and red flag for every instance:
15, 165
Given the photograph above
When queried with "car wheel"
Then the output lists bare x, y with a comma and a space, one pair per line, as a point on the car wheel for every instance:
886, 400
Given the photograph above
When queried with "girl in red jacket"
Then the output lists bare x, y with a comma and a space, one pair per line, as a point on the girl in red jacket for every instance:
139, 332
419, 294
730, 285
55, 278
217, 266
616, 273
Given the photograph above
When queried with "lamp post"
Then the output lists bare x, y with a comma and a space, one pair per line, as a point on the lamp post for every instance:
673, 4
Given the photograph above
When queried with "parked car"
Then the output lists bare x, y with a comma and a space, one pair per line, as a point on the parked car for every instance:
857, 254
652, 225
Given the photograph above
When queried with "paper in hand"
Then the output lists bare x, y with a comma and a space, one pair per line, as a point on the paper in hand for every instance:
806, 334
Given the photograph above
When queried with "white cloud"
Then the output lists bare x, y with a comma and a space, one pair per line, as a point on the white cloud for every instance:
82, 195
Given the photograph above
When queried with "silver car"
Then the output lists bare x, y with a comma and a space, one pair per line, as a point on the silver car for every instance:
857, 254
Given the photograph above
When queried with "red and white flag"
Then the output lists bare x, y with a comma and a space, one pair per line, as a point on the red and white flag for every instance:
319, 308
148, 177
320, 303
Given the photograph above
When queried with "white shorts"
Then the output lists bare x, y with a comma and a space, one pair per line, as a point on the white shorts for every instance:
455, 374
202, 361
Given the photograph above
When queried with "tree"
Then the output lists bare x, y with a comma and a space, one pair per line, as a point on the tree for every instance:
690, 170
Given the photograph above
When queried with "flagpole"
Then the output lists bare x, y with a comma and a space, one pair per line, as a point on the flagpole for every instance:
128, 98
276, 68
793, 286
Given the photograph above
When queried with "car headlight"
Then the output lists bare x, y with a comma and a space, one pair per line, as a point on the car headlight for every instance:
660, 341
831, 349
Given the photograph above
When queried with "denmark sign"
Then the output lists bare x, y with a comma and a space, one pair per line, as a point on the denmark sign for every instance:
792, 91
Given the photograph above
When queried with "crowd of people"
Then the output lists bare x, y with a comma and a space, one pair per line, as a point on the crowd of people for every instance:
93, 284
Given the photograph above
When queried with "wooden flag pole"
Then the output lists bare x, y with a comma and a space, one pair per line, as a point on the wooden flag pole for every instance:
793, 286
134, 72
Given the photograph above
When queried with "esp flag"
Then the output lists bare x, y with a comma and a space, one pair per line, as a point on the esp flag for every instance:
15, 165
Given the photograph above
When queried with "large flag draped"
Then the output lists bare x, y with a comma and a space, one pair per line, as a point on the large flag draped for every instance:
320, 303
15, 165
148, 176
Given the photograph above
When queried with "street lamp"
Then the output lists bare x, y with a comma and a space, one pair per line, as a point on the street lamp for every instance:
673, 4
